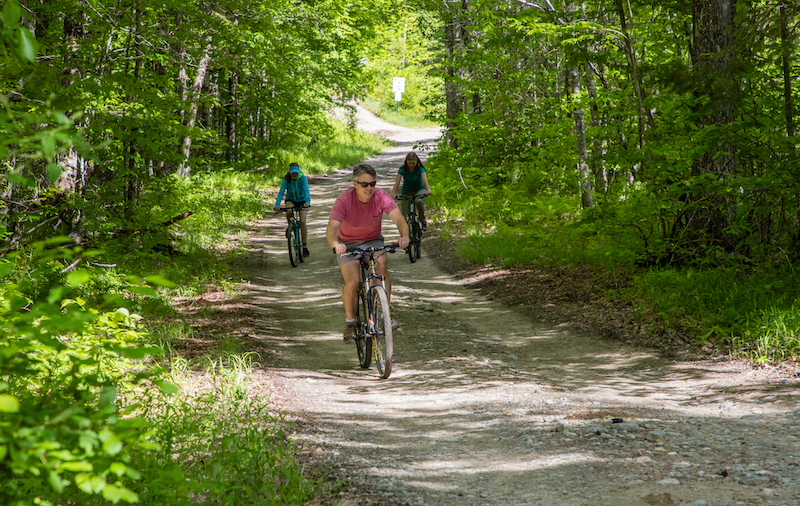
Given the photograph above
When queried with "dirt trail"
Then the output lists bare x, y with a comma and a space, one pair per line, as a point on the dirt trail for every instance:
486, 405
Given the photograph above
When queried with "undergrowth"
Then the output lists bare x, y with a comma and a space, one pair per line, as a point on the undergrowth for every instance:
96, 407
749, 311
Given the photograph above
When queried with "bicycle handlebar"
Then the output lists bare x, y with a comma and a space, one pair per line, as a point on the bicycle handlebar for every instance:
412, 197
293, 208
391, 248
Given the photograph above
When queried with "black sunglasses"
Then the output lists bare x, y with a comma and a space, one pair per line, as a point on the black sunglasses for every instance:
364, 185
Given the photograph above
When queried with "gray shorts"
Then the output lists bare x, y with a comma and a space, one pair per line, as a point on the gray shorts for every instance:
373, 243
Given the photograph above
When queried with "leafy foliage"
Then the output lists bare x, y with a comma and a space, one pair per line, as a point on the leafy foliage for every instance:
62, 365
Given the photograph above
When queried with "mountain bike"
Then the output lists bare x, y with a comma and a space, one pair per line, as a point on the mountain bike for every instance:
373, 321
294, 236
414, 227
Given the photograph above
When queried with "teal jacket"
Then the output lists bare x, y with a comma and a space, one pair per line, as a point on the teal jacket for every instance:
295, 190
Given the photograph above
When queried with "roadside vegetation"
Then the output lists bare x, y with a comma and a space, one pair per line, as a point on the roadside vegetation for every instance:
127, 417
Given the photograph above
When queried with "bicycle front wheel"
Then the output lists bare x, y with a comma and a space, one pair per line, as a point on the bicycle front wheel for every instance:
363, 341
382, 324
413, 229
293, 257
298, 243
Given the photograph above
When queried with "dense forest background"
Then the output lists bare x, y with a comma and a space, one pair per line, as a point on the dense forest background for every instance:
652, 138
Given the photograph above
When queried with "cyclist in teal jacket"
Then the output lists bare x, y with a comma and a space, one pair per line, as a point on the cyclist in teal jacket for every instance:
295, 186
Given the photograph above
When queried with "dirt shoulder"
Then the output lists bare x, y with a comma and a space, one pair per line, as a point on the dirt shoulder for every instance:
505, 384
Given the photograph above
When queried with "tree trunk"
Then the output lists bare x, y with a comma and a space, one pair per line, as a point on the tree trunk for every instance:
713, 61
787, 75
453, 42
231, 112
636, 80
597, 170
191, 118
573, 78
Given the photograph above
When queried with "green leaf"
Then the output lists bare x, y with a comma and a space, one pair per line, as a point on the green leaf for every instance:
49, 148
9, 404
78, 278
144, 290
55, 481
53, 172
89, 483
167, 388
17, 178
107, 397
12, 13
140, 352
77, 466
5, 267
157, 279
117, 468
116, 494
28, 47
111, 443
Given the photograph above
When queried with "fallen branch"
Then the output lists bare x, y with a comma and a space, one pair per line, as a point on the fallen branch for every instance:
177, 218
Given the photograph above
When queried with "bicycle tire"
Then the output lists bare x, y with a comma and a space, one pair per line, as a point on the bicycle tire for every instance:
412, 226
298, 243
292, 252
417, 240
363, 341
382, 321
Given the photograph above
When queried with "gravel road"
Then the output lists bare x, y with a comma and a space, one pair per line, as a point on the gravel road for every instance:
487, 405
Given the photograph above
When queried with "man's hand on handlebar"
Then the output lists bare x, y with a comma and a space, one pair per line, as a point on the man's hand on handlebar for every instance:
340, 249
403, 242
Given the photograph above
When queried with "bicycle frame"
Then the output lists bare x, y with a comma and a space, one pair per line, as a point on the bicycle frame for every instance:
372, 312
293, 234
414, 227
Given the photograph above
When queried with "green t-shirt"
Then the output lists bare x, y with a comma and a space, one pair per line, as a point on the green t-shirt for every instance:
412, 181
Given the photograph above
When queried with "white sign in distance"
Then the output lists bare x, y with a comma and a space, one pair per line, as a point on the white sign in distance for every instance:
398, 96
398, 85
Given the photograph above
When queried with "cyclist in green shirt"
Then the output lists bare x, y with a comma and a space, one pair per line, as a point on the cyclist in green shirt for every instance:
415, 182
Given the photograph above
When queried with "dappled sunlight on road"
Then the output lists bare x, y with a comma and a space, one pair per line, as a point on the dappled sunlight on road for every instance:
477, 389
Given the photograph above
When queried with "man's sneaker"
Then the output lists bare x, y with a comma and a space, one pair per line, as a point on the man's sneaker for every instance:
305, 251
350, 333
395, 324
424, 225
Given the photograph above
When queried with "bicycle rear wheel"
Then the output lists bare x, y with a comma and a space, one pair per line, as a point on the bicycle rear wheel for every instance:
293, 258
298, 243
363, 341
383, 331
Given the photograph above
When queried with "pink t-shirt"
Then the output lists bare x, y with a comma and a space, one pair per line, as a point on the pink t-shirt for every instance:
361, 222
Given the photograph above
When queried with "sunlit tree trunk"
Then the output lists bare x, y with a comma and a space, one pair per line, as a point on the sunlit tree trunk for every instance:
191, 117
573, 78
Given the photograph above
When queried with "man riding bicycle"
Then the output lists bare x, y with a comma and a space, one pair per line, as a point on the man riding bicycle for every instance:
355, 220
